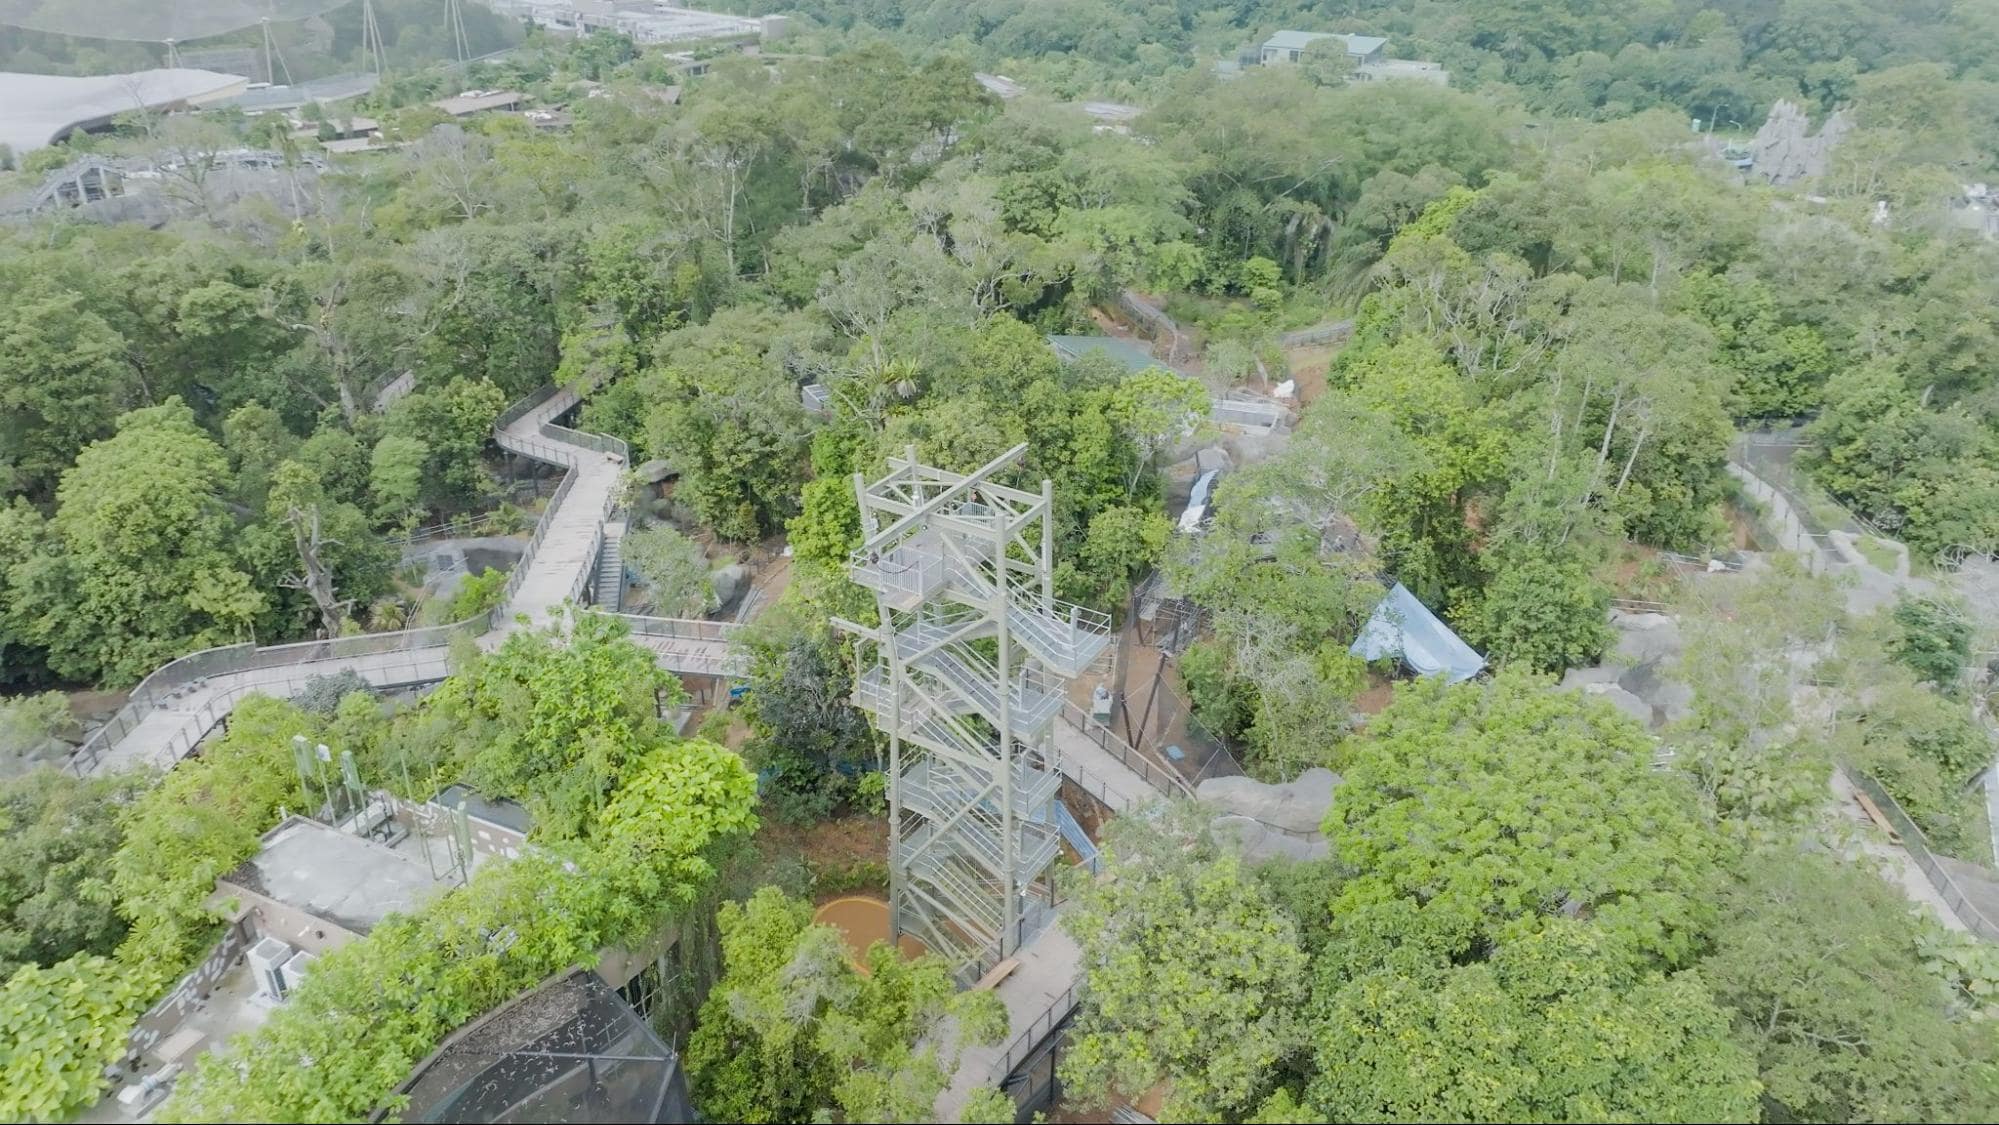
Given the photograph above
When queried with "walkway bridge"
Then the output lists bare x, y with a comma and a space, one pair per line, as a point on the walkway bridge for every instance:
175, 707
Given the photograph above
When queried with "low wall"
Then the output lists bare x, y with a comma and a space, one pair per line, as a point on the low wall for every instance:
163, 1018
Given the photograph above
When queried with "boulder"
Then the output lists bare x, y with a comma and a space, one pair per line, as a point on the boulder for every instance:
1622, 700
729, 582
1260, 841
1296, 806
655, 471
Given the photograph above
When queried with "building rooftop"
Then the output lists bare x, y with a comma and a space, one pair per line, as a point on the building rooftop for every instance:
37, 110
478, 101
333, 875
1299, 40
499, 1067
1129, 355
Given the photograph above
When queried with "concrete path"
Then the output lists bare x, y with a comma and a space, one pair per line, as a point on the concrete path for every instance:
1897, 864
166, 734
1037, 995
567, 553
1099, 772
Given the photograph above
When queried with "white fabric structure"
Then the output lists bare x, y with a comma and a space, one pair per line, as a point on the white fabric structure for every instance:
37, 110
1404, 627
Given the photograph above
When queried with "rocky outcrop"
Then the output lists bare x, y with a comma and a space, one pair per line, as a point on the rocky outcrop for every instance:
1295, 807
1785, 149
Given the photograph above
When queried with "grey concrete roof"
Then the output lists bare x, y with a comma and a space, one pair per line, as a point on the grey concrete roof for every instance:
330, 874
36, 110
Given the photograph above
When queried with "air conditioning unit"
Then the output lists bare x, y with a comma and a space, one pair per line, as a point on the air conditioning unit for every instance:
267, 965
296, 968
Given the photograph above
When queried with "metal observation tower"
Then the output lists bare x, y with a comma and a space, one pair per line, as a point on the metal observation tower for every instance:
967, 674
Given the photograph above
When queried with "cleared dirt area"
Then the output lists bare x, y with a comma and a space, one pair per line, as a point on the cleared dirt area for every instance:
842, 842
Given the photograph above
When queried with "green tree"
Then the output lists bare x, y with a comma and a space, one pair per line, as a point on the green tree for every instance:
396, 478
808, 737
794, 1031
1195, 977
57, 836
675, 570
1542, 610
1553, 1026
203, 819
146, 566
60, 1028
557, 719
35, 730
454, 423
62, 382
1932, 639
1458, 841
1817, 960
1122, 542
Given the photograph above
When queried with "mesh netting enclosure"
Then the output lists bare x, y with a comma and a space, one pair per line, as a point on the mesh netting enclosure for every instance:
154, 21
570, 1051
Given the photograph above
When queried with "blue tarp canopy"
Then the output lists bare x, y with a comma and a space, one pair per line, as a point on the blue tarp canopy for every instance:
1403, 627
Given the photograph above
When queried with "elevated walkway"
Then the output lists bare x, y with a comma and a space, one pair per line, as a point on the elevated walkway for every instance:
175, 707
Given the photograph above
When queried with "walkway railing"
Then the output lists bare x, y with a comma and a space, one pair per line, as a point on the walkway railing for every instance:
1038, 1029
1918, 848
1157, 776
178, 678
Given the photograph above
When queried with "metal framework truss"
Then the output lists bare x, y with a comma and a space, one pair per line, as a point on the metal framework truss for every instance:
966, 672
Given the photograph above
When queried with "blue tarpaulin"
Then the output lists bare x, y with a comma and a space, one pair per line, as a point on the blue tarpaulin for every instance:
1403, 627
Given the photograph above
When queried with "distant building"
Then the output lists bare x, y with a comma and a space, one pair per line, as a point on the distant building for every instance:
1371, 63
1289, 46
642, 20
1409, 69
479, 101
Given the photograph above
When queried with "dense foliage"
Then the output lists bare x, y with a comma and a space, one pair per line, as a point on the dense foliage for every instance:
796, 1029
513, 925
1563, 311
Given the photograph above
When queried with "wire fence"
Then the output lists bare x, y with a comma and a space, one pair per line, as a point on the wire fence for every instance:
1317, 334
1918, 847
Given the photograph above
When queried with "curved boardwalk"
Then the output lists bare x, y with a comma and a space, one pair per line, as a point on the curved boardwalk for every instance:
173, 709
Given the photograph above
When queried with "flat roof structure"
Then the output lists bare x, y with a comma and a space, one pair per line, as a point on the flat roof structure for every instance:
1132, 357
1359, 45
334, 876
37, 110
462, 105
